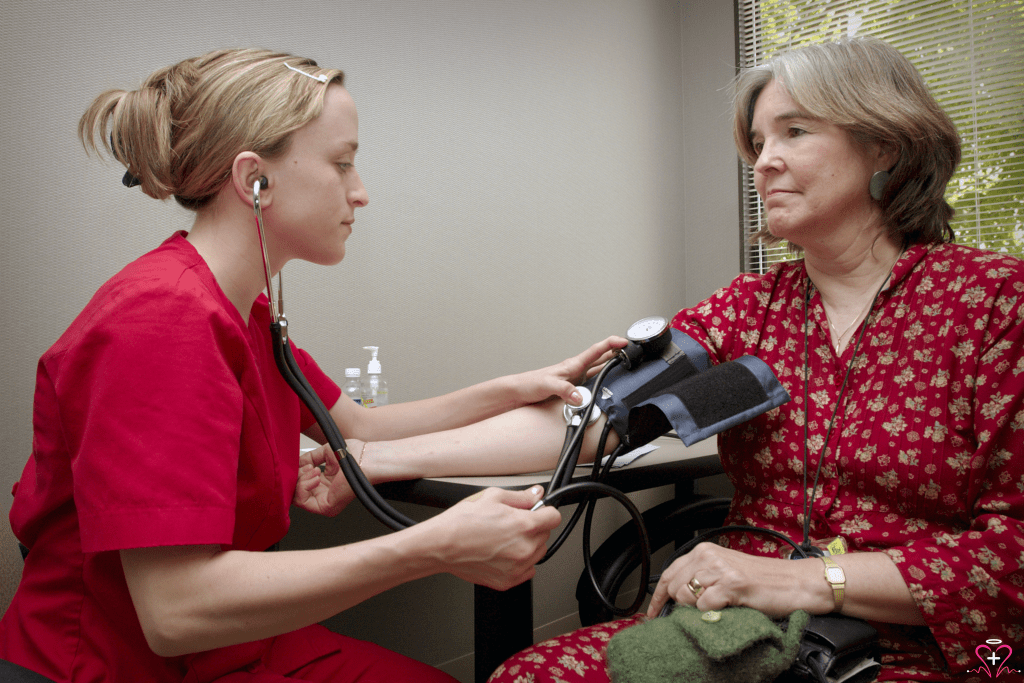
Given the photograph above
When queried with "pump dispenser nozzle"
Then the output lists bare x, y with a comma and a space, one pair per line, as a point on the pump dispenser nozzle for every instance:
373, 367
374, 388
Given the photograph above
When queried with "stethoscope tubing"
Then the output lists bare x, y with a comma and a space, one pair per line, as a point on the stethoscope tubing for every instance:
562, 474
595, 475
560, 488
591, 491
357, 480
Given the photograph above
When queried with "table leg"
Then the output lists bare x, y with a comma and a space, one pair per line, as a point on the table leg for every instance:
502, 626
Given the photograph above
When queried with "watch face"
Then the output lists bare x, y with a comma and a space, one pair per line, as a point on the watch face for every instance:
835, 575
646, 328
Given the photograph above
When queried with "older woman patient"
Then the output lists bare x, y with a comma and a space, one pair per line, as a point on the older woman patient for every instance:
915, 459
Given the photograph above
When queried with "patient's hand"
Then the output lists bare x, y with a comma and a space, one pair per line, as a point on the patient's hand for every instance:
324, 492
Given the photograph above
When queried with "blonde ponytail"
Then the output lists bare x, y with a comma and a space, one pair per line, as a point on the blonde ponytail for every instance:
179, 133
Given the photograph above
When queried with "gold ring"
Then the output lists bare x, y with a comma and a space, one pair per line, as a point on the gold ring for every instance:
695, 587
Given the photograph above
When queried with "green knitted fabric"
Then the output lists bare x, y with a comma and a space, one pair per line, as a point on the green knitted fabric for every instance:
742, 646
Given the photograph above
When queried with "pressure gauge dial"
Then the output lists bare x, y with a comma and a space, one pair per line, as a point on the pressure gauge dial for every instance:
647, 329
648, 338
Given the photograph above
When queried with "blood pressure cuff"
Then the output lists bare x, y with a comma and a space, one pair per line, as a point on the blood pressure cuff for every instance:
681, 390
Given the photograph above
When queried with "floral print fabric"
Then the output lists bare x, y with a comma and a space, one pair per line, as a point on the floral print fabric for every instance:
925, 461
578, 656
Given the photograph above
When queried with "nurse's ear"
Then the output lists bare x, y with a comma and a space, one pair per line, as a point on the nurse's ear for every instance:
246, 170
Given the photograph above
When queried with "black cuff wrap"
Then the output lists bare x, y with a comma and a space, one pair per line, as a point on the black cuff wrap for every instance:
681, 390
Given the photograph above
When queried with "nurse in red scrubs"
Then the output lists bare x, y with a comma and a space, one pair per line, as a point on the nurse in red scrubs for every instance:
165, 449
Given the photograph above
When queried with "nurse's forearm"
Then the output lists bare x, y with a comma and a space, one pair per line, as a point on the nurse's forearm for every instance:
192, 598
472, 404
457, 409
528, 439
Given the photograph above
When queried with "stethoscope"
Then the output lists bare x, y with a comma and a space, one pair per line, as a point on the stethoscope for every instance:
285, 360
646, 338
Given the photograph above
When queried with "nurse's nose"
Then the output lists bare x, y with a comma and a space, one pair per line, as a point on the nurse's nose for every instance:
357, 195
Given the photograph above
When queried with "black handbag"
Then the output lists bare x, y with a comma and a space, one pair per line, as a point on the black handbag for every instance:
836, 648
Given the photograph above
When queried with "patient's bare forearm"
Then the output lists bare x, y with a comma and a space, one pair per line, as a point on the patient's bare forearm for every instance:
528, 439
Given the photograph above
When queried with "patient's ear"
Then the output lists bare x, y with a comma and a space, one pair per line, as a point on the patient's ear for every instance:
888, 153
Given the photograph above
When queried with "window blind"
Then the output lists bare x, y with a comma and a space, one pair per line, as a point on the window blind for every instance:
971, 54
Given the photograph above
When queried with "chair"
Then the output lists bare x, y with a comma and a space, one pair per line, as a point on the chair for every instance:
673, 521
12, 673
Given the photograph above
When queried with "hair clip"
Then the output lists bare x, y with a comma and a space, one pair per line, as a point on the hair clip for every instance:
130, 179
322, 78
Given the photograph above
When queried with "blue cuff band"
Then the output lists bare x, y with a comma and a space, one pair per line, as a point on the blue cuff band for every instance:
683, 391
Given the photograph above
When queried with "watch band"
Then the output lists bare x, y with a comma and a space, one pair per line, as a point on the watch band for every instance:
836, 578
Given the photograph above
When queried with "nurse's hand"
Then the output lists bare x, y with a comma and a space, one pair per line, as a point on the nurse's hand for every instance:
561, 379
492, 538
324, 492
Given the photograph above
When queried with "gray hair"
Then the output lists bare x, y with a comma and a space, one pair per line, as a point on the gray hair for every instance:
866, 87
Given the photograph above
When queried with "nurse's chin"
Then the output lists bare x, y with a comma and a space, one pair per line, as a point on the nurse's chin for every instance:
326, 258
338, 258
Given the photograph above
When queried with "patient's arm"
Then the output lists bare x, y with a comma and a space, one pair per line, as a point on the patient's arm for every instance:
525, 440
528, 439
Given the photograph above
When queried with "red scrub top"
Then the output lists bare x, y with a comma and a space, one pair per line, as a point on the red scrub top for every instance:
159, 419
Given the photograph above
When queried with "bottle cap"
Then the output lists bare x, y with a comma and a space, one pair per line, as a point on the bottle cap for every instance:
353, 372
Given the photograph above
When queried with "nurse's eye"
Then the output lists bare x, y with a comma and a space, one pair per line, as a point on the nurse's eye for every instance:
344, 166
796, 131
757, 146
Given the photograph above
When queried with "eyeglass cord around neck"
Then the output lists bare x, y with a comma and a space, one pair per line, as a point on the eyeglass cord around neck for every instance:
809, 505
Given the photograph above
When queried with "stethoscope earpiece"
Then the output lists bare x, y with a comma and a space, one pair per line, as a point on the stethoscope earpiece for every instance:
264, 182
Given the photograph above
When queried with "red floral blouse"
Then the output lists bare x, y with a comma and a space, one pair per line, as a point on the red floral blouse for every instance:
925, 461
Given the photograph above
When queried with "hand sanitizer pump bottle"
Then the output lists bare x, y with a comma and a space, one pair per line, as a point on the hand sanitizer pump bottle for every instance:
374, 388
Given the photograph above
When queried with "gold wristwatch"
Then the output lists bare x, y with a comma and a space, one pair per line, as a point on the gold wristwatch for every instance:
836, 578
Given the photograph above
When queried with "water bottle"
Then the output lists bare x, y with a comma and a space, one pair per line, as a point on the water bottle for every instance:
352, 388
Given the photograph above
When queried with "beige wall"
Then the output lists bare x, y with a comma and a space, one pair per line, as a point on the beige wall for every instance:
541, 174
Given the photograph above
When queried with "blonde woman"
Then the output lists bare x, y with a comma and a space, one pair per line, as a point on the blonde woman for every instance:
165, 452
